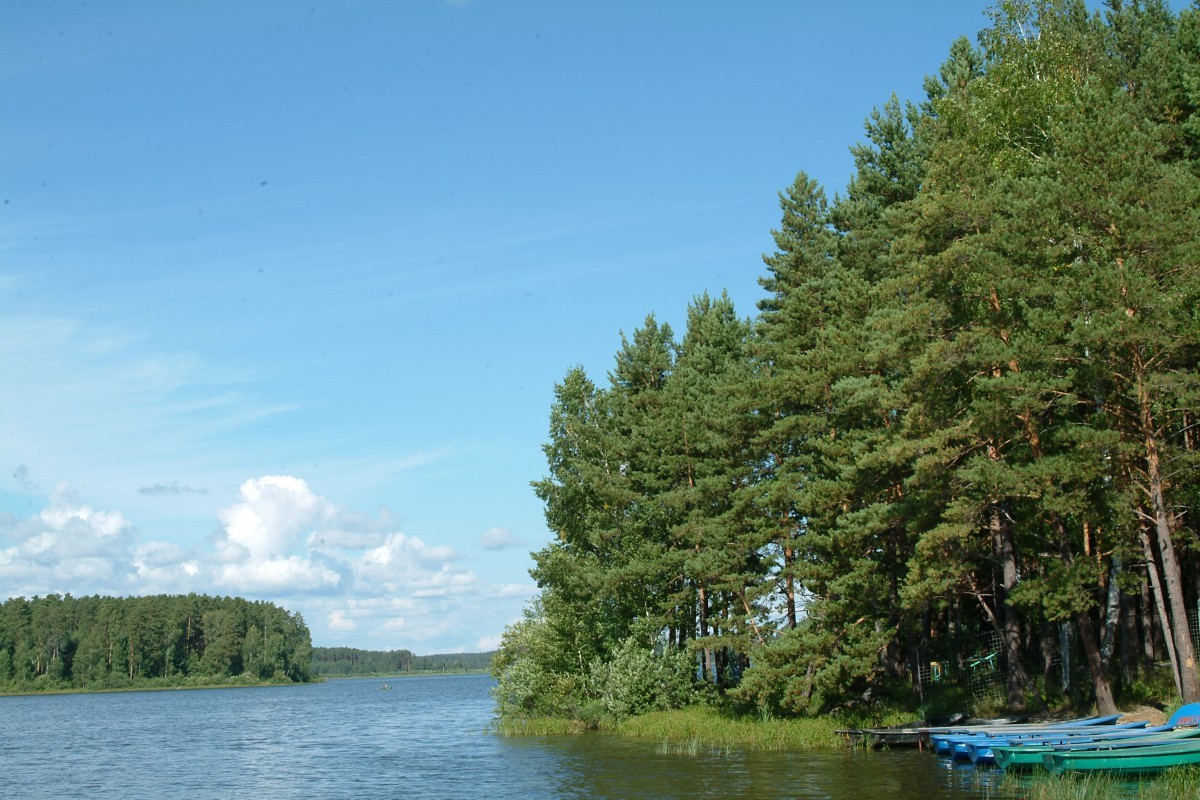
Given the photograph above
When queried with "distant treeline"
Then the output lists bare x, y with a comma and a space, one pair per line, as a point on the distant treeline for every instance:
347, 661
63, 642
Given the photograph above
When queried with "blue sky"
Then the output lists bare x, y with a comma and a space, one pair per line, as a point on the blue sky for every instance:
285, 287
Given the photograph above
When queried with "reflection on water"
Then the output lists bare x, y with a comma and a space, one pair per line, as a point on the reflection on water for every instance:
611, 767
426, 737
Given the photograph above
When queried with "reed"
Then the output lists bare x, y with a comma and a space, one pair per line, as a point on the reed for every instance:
537, 726
1175, 784
703, 727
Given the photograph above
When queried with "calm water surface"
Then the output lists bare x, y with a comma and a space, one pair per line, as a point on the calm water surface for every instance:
426, 737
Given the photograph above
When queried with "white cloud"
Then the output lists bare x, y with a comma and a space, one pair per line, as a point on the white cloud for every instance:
273, 515
406, 565
338, 621
263, 532
67, 547
499, 539
290, 574
525, 590
338, 539
63, 512
356, 578
487, 643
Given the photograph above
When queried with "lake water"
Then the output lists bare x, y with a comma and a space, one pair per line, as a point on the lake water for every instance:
424, 738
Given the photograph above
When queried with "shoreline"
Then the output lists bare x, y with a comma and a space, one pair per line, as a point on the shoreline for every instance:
173, 688
233, 684
694, 730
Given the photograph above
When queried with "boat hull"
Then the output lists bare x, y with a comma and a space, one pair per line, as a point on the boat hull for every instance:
1132, 761
1024, 757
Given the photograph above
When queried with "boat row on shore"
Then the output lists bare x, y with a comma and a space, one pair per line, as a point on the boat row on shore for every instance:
1091, 744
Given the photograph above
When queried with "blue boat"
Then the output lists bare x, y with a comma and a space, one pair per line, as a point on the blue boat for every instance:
979, 748
1021, 754
944, 741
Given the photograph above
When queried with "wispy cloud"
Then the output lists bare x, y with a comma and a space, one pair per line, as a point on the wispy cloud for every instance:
499, 539
166, 490
24, 482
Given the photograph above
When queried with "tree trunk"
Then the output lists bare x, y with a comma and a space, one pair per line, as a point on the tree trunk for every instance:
789, 558
1163, 527
1010, 626
709, 666
1048, 649
1149, 649
1011, 656
1087, 629
1127, 640
1112, 613
1091, 650
1156, 588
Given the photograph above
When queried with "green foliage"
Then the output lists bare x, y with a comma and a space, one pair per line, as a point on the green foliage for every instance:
966, 410
637, 679
57, 643
536, 674
350, 661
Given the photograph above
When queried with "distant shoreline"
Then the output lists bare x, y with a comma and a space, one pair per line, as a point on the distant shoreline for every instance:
59, 690
429, 673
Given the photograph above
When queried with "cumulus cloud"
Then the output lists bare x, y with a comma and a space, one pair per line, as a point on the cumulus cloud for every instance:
280, 574
353, 574
339, 539
358, 579
67, 547
499, 539
273, 515
406, 565
66, 516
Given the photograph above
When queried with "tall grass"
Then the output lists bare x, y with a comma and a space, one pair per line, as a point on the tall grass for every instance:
707, 727
537, 726
700, 726
1175, 784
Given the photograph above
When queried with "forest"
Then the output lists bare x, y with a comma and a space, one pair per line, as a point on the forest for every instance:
960, 434
59, 643
350, 661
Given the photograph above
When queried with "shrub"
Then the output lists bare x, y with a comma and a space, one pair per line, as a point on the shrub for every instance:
637, 678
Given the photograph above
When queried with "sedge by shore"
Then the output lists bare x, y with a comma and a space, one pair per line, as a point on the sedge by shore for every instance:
705, 730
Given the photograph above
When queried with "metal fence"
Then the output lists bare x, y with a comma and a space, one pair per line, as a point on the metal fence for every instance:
983, 672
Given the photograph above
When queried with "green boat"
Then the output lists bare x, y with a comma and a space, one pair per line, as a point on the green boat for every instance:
1019, 758
1125, 761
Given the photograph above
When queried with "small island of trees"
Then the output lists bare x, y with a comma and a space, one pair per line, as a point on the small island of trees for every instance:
961, 438
65, 643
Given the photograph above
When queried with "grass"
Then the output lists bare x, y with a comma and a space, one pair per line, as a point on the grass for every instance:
695, 729
703, 727
538, 726
1175, 784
